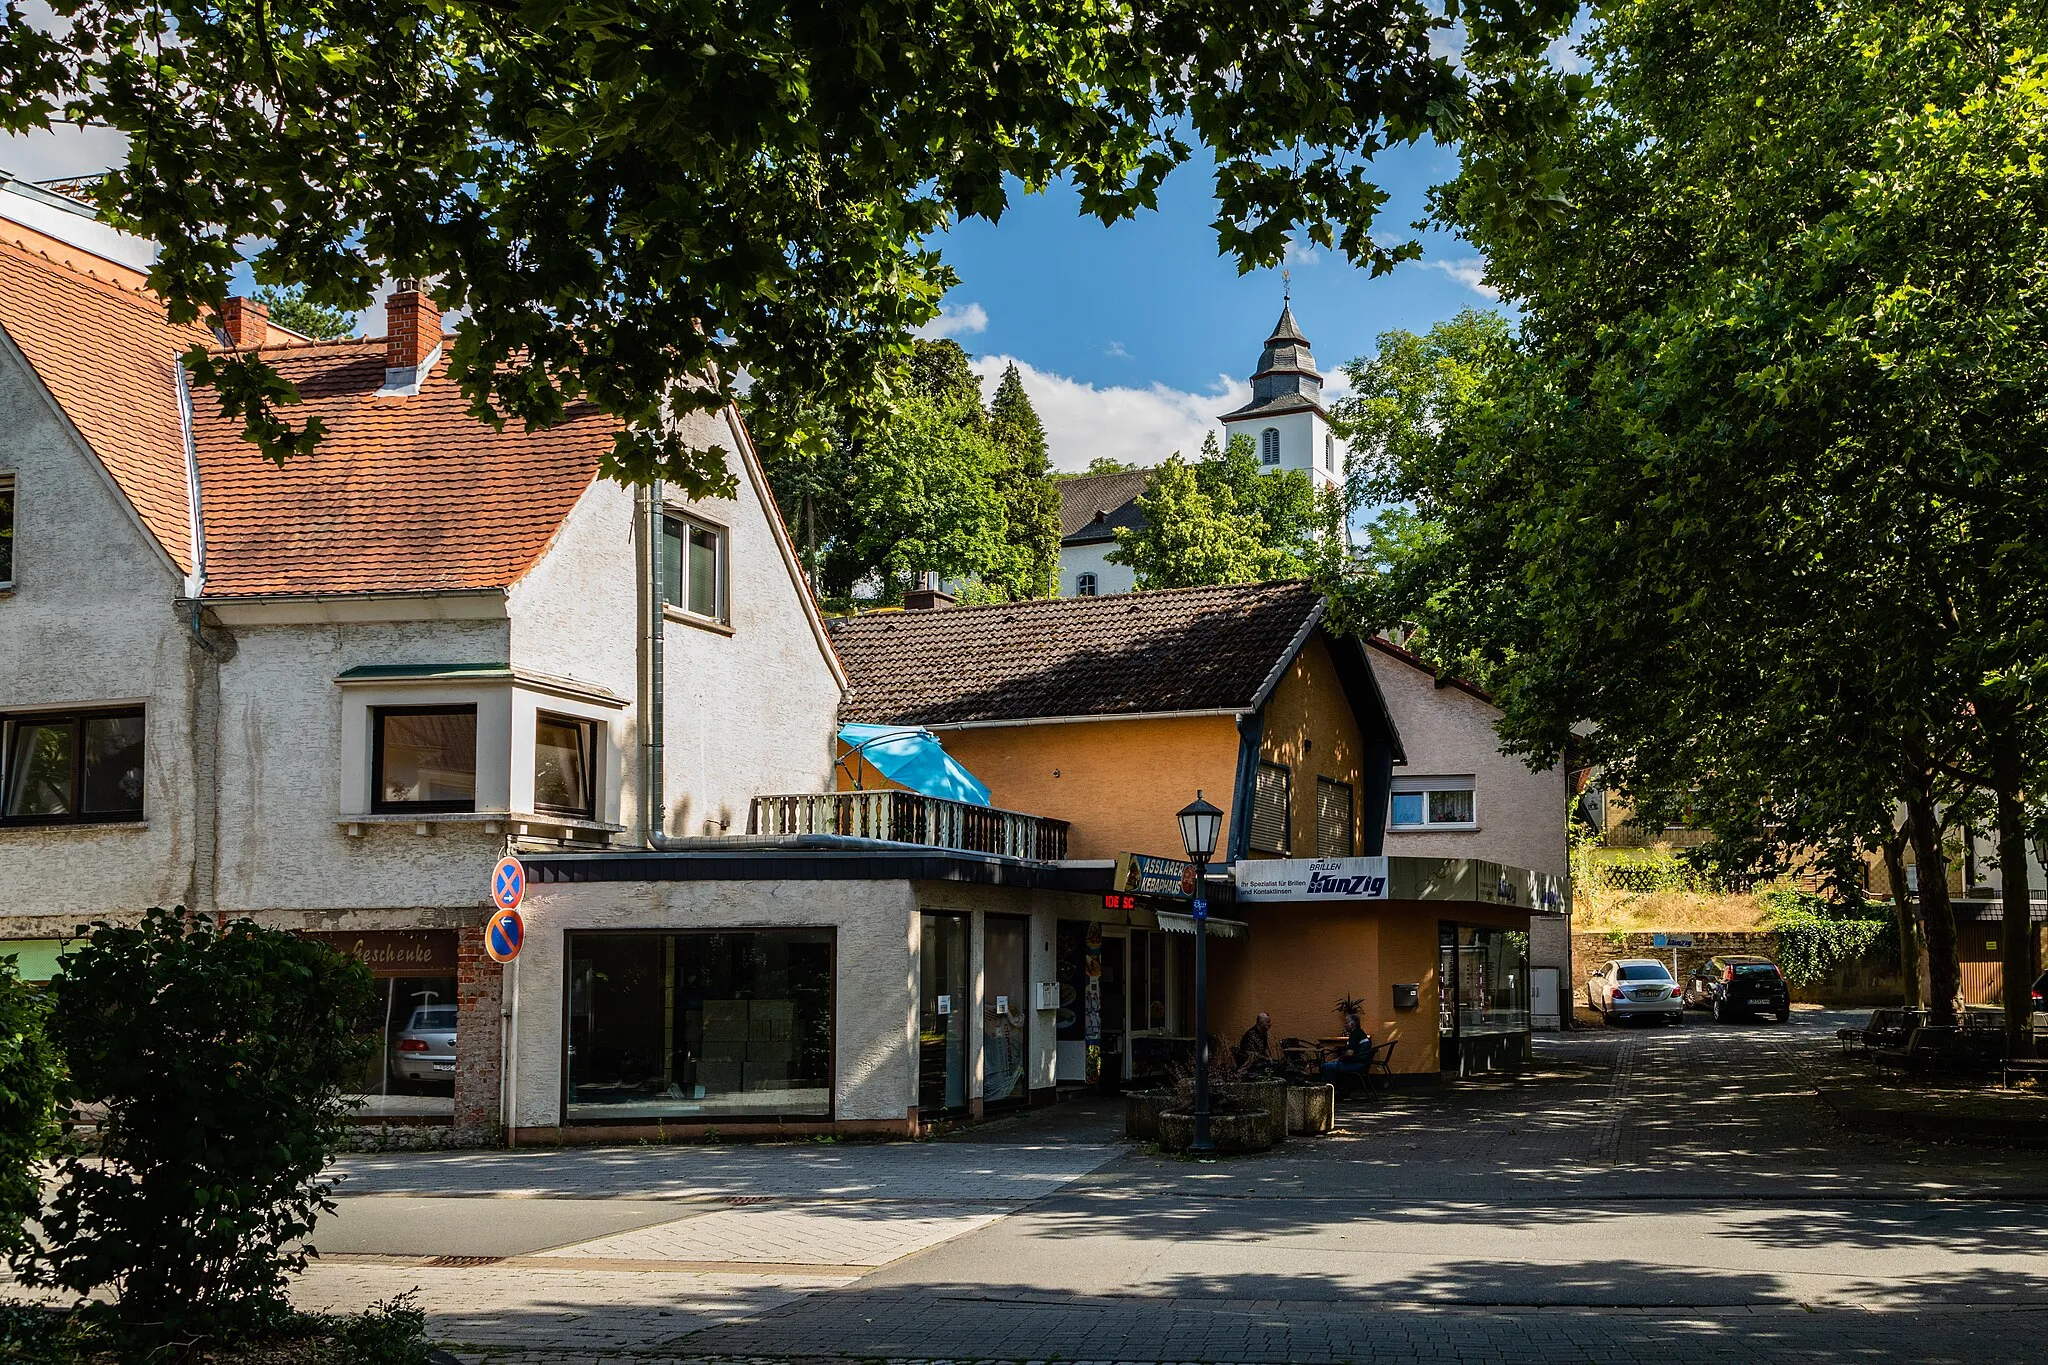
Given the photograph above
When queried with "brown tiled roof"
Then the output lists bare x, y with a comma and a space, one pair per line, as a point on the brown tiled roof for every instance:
1184, 649
405, 493
107, 355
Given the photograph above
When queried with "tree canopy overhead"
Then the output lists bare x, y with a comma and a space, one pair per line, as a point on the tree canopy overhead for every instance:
623, 199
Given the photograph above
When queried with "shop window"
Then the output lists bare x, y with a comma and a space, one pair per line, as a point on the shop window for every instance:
1084, 585
71, 767
1488, 974
1432, 803
1271, 803
423, 759
6, 531
410, 1071
1152, 982
1269, 446
1333, 819
693, 570
709, 1025
1005, 1012
565, 766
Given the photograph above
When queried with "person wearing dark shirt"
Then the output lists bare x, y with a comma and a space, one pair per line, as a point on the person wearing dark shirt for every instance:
1256, 1045
1348, 1069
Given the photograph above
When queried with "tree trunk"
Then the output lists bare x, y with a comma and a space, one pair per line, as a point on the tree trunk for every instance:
2008, 768
1944, 974
1909, 923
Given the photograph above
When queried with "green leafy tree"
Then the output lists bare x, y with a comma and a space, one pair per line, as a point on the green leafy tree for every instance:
1192, 537
29, 1078
625, 200
1031, 505
1755, 490
220, 1056
1222, 519
289, 307
1101, 464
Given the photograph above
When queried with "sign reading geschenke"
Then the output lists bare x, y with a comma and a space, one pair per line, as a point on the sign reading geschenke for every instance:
1311, 879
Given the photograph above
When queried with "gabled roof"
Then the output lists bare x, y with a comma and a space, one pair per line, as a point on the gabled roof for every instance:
1094, 505
1440, 678
109, 358
405, 493
1144, 653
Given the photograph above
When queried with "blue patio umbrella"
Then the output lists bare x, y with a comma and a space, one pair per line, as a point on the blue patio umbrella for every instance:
911, 756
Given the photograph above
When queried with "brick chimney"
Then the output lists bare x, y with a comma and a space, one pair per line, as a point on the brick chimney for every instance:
412, 332
245, 321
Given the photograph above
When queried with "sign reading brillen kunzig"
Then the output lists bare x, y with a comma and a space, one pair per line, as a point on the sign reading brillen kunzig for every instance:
1312, 879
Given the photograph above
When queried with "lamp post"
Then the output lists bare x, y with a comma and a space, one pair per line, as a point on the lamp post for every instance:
1200, 823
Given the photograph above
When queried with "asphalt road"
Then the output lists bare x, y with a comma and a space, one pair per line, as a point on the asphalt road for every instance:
1646, 1194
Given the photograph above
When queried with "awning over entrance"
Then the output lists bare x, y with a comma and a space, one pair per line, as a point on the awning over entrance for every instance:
1185, 924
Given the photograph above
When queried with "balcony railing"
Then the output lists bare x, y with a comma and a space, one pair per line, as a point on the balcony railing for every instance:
909, 818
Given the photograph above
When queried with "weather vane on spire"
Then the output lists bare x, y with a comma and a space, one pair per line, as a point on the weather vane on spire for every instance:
1286, 285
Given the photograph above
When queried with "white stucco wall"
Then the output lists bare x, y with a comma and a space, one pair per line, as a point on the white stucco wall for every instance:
874, 989
1301, 442
90, 621
1448, 732
1044, 909
282, 760
753, 710
1076, 560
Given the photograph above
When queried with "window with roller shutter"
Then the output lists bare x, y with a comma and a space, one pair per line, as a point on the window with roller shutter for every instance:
1270, 805
1333, 818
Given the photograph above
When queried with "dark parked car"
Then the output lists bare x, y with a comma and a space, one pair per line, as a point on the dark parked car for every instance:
2041, 992
1735, 985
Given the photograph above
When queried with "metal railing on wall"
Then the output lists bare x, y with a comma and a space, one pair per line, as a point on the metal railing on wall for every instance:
910, 818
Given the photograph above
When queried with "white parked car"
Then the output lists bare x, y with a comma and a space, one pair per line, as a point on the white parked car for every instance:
1635, 988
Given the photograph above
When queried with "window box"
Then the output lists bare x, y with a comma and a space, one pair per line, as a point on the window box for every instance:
72, 767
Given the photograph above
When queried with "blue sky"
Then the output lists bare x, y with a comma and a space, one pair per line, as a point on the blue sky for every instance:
1130, 338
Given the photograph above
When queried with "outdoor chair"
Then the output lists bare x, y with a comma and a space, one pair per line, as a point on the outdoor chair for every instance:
1382, 1064
1927, 1046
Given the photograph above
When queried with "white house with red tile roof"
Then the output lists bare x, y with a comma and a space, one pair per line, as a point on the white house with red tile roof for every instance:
332, 694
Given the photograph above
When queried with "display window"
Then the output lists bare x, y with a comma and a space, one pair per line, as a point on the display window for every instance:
410, 1072
710, 1024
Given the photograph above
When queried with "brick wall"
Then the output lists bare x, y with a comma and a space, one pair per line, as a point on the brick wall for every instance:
479, 1028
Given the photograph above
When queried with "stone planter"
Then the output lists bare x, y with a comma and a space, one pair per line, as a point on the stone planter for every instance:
1142, 1109
1251, 1132
1311, 1109
1270, 1096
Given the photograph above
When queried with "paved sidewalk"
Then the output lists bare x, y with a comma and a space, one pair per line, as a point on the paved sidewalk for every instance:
1640, 1194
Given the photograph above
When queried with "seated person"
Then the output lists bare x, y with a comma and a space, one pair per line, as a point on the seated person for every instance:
1348, 1069
1255, 1047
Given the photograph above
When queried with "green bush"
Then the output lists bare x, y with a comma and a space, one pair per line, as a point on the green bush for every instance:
219, 1056
1815, 936
29, 1076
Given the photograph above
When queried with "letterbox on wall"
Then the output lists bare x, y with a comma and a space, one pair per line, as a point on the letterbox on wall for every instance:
1407, 995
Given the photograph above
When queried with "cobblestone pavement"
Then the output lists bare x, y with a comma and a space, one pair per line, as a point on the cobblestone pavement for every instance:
1647, 1194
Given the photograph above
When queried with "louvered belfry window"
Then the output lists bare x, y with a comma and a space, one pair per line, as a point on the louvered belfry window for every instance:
1270, 805
1333, 818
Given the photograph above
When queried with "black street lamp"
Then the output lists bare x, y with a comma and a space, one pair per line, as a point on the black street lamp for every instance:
1200, 823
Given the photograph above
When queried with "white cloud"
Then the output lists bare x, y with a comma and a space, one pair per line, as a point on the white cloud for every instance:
964, 321
1116, 351
1301, 253
1469, 271
1136, 425
61, 153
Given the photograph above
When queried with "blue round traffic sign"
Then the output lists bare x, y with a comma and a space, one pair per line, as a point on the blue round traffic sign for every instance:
503, 934
508, 883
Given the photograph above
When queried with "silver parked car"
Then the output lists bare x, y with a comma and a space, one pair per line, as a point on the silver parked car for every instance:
424, 1049
1635, 988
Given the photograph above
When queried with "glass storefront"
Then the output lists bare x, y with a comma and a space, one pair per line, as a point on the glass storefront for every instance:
1483, 993
700, 1025
411, 1070
942, 1005
1006, 1014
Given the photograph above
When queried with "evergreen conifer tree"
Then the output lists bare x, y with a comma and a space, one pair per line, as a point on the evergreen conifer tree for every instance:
1031, 502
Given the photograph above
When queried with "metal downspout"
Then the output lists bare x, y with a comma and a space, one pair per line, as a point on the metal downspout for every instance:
203, 715
653, 702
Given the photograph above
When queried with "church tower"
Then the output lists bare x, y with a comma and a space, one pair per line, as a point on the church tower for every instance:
1285, 419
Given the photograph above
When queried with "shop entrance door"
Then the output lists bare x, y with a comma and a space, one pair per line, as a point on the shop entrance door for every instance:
943, 998
1005, 1013
1116, 1059
1447, 997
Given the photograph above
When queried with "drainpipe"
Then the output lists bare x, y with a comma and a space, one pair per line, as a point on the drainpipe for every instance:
203, 713
653, 677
